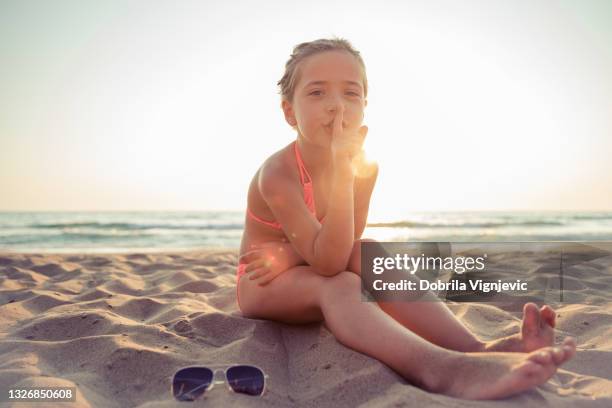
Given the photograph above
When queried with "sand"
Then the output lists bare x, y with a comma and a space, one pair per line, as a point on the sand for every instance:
118, 326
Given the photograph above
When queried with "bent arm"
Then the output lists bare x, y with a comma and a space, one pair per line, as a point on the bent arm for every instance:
363, 193
326, 247
333, 244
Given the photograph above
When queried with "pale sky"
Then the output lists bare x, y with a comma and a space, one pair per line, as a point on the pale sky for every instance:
165, 105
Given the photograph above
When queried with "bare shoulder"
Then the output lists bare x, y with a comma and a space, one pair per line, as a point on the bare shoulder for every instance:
276, 171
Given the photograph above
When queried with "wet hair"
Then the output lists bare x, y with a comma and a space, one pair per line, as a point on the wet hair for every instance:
304, 50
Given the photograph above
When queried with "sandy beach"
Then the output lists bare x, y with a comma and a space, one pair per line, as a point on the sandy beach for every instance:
118, 326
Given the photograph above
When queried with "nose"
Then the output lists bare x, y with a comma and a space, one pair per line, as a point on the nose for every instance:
334, 106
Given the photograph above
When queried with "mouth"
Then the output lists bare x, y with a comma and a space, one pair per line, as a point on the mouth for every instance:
330, 125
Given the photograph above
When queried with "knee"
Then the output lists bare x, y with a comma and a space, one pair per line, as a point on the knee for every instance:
354, 264
343, 283
345, 278
246, 304
251, 303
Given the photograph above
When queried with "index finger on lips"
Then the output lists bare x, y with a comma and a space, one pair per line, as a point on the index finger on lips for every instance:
338, 121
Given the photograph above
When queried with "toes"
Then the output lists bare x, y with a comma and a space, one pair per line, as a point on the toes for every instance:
558, 355
546, 358
543, 356
569, 348
569, 341
561, 354
548, 315
531, 319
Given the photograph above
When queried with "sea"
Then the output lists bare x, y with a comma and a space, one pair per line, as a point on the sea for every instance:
125, 232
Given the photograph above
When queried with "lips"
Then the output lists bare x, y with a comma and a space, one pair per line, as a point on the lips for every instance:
330, 125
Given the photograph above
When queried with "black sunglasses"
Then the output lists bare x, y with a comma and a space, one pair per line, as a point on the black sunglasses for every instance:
190, 383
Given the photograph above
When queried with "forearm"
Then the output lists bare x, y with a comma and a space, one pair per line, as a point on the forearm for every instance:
363, 193
334, 242
293, 257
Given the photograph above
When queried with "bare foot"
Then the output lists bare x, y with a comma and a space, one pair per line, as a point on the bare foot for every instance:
479, 376
537, 331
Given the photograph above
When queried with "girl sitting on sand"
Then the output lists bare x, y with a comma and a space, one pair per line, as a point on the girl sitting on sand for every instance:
300, 251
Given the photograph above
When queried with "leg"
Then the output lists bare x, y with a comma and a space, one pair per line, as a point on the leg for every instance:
292, 297
300, 295
450, 333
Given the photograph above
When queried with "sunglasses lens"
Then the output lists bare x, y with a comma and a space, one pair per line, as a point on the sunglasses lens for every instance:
246, 379
190, 383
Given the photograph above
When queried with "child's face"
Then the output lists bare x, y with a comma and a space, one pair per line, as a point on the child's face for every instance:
327, 80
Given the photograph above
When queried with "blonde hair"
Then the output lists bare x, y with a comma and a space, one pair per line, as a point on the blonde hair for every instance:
304, 50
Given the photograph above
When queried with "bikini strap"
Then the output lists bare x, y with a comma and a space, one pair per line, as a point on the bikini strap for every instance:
306, 185
301, 167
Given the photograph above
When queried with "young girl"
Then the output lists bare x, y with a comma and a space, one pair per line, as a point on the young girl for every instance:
300, 252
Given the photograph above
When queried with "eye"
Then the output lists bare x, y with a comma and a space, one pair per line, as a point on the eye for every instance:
316, 93
353, 93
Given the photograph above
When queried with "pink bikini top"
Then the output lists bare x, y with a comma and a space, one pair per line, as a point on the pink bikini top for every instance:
306, 186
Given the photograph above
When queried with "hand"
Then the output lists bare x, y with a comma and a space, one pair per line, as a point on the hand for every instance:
346, 143
268, 260
362, 167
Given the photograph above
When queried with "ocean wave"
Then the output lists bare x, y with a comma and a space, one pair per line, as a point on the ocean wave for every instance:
591, 217
135, 226
498, 224
92, 231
